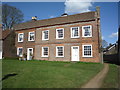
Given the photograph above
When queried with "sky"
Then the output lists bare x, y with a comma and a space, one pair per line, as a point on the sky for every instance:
45, 10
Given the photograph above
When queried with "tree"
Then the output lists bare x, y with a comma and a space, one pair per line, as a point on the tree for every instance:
104, 44
11, 16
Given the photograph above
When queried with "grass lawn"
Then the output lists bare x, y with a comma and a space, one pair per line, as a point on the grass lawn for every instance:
111, 80
0, 74
47, 74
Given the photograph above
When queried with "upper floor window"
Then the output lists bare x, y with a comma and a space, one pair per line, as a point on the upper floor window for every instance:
87, 31
20, 51
45, 51
20, 37
75, 32
60, 33
45, 35
60, 51
31, 36
87, 50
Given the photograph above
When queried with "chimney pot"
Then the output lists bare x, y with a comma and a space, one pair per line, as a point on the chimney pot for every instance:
34, 18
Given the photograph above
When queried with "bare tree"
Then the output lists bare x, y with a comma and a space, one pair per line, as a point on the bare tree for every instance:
11, 16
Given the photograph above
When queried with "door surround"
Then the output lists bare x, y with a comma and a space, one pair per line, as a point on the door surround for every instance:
73, 58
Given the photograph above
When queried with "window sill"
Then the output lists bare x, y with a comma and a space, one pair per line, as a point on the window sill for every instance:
20, 41
59, 38
87, 36
87, 56
59, 56
75, 37
45, 39
31, 40
44, 56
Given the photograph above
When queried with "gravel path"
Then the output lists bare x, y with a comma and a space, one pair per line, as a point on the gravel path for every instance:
96, 81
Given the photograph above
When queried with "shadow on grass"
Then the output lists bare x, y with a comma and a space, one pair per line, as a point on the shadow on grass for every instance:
9, 75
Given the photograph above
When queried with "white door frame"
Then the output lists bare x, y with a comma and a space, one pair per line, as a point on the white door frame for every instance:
0, 54
28, 54
72, 54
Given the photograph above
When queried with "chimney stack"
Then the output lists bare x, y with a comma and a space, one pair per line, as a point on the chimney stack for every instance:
65, 14
98, 11
34, 18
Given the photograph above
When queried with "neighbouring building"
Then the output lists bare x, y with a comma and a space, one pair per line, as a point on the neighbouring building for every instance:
67, 38
9, 49
111, 54
1, 41
111, 49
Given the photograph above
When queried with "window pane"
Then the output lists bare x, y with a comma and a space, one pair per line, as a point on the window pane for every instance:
20, 37
87, 31
60, 33
60, 51
31, 36
45, 51
87, 51
20, 50
45, 34
75, 32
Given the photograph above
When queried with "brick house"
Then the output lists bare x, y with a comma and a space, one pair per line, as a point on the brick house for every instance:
67, 38
8, 45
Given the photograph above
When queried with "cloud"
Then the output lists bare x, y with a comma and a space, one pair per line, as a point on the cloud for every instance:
52, 16
102, 37
77, 6
114, 35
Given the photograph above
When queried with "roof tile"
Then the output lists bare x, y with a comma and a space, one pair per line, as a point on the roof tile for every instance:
57, 20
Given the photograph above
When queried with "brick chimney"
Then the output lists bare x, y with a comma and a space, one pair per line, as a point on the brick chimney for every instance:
98, 11
34, 18
65, 14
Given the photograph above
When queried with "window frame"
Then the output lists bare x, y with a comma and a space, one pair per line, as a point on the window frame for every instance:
18, 51
29, 36
83, 50
57, 33
72, 32
57, 51
19, 35
83, 31
43, 52
44, 34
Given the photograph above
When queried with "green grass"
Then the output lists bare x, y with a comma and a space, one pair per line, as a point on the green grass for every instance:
111, 80
0, 74
48, 74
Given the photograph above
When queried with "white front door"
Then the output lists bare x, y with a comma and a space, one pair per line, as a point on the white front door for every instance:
75, 53
29, 53
0, 54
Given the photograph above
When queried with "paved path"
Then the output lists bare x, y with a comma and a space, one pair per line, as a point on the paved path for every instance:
96, 81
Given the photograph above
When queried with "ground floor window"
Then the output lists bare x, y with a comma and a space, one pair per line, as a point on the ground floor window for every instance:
87, 50
20, 51
45, 51
60, 51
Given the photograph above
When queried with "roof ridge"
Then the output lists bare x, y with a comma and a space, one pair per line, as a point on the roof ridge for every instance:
56, 17
57, 20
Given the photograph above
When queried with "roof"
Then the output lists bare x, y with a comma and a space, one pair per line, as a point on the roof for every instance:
56, 21
5, 33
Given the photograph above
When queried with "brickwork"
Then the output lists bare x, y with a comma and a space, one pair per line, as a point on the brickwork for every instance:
67, 42
25, 44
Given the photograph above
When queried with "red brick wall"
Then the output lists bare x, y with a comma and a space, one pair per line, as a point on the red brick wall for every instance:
25, 44
67, 42
9, 49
